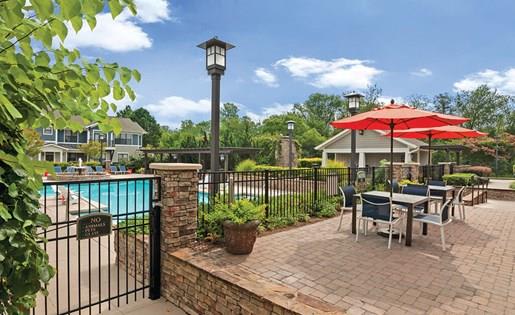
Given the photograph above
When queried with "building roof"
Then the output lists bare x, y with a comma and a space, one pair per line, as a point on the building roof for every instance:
412, 143
127, 124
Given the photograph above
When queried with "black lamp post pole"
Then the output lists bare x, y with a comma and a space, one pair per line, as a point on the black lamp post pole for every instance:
290, 152
215, 120
353, 157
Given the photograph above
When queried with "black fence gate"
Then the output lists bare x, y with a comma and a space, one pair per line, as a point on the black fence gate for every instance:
103, 243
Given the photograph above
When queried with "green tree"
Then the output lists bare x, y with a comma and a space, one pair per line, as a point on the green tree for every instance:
319, 110
485, 107
34, 142
371, 99
148, 122
444, 103
43, 84
419, 101
91, 149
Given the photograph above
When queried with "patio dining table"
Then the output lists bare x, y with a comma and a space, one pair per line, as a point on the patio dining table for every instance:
445, 189
410, 201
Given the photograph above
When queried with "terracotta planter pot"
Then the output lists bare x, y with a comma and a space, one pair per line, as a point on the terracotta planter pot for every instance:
240, 238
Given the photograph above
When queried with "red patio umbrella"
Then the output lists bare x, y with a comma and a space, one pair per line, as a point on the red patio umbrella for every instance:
396, 117
443, 132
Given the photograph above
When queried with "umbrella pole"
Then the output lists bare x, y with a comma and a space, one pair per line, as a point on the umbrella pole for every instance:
391, 158
429, 158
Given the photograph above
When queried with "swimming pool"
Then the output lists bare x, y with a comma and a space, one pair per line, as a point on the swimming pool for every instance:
118, 197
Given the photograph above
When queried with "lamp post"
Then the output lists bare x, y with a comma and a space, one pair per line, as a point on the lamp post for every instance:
354, 99
291, 126
101, 138
215, 64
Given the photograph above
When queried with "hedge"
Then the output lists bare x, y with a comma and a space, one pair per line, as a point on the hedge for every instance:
310, 162
460, 179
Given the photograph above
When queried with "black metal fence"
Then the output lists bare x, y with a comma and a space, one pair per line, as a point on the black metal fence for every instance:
295, 192
90, 275
434, 171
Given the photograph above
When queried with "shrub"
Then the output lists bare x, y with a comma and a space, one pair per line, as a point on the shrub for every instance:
246, 165
135, 225
326, 208
269, 167
513, 169
478, 170
335, 164
239, 212
310, 162
460, 179
512, 185
407, 181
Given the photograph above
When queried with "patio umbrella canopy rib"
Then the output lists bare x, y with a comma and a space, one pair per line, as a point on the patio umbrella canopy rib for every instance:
396, 117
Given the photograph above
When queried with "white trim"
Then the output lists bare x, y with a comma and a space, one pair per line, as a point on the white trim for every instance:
347, 131
48, 134
368, 150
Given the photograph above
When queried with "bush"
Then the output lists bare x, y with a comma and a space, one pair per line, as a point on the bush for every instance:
239, 212
513, 169
246, 165
327, 208
407, 181
460, 179
136, 225
512, 185
270, 168
310, 162
335, 164
478, 170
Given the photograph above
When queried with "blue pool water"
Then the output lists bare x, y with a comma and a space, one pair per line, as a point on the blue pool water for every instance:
117, 197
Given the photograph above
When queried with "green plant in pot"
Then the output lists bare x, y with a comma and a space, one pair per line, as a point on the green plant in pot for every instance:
240, 221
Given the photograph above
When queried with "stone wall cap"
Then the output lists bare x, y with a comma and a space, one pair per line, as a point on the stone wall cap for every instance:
175, 166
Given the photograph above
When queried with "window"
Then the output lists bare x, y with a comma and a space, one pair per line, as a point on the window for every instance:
48, 131
70, 136
124, 138
48, 156
74, 157
123, 157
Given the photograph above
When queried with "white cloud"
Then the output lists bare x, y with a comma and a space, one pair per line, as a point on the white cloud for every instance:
503, 81
151, 11
265, 76
172, 109
274, 109
340, 72
123, 33
422, 72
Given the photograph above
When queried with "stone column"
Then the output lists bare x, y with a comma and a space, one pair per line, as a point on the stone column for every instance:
179, 186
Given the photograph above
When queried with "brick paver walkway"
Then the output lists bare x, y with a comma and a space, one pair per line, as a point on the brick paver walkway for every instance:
474, 276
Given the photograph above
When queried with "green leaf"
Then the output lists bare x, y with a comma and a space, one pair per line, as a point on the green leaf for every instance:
70, 8
15, 114
43, 8
13, 190
125, 75
109, 73
42, 59
136, 75
115, 7
76, 23
92, 7
4, 213
92, 22
118, 92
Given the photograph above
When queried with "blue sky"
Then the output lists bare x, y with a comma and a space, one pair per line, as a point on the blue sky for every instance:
286, 50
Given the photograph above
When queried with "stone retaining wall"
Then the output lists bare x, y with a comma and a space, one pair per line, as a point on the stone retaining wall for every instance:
501, 194
130, 252
196, 285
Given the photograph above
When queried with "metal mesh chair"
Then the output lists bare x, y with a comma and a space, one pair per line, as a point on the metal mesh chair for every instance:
440, 220
378, 209
347, 194
459, 203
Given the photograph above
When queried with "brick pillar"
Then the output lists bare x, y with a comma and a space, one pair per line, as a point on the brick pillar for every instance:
179, 186
446, 167
397, 170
